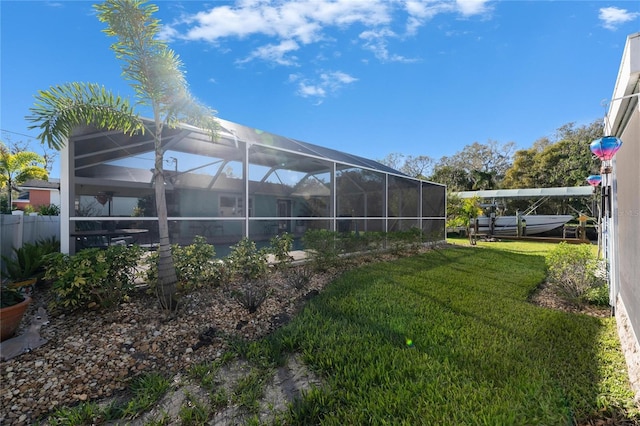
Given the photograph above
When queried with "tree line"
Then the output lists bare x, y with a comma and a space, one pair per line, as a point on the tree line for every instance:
562, 160
558, 161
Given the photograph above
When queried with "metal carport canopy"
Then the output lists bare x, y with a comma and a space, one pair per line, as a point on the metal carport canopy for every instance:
571, 191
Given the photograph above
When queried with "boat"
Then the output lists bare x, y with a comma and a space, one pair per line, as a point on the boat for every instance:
508, 225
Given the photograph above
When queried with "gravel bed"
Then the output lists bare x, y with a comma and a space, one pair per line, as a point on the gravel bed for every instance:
91, 355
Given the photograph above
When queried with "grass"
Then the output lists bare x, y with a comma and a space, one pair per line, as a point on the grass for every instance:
479, 352
145, 390
444, 337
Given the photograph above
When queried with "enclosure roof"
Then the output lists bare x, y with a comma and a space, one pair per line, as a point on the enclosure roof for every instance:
259, 137
572, 191
105, 146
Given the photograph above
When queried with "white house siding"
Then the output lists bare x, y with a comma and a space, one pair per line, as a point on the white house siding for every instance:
623, 121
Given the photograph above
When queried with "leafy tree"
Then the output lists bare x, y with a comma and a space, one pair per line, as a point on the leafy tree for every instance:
418, 167
564, 161
455, 179
49, 155
461, 211
16, 167
156, 75
477, 166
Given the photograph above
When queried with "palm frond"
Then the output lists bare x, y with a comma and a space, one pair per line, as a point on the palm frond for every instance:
60, 109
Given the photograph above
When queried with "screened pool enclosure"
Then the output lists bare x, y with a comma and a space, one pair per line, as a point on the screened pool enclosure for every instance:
246, 182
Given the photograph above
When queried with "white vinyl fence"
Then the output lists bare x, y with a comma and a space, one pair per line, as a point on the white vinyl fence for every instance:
15, 230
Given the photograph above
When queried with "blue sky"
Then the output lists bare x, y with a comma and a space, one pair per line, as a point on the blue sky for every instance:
368, 77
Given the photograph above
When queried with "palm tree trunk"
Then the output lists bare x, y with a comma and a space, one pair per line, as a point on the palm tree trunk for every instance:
167, 279
10, 195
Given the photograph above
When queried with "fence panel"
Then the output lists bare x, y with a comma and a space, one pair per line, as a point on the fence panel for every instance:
16, 230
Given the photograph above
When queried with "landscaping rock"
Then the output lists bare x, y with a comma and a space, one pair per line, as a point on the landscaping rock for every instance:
93, 354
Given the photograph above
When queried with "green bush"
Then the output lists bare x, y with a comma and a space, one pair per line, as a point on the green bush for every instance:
93, 277
323, 248
195, 265
299, 277
28, 261
572, 272
10, 296
49, 210
280, 247
251, 295
246, 261
402, 241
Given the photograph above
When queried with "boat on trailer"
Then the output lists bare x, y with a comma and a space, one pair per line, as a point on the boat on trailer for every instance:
508, 225
535, 223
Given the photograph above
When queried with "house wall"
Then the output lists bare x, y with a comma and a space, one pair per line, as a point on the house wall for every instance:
623, 121
628, 217
39, 198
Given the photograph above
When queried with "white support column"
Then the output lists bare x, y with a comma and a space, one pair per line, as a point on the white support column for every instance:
386, 202
334, 198
245, 180
67, 197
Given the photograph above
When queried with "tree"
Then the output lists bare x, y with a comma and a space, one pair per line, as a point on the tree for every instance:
477, 166
564, 161
16, 167
156, 76
460, 211
418, 167
455, 179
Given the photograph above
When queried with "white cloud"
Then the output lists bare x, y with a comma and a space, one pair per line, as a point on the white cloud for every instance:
472, 7
326, 83
297, 23
611, 17
279, 30
275, 53
306, 91
377, 42
302, 20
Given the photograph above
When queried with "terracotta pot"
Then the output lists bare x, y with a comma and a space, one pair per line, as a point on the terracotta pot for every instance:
10, 318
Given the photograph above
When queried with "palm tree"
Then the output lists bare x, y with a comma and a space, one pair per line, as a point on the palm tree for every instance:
156, 75
18, 167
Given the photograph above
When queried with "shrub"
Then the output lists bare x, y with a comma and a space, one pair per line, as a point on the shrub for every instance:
10, 296
280, 247
402, 241
28, 261
299, 277
93, 277
251, 296
49, 210
572, 271
194, 265
323, 248
351, 242
246, 261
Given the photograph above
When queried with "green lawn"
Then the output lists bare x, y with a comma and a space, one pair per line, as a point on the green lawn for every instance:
448, 337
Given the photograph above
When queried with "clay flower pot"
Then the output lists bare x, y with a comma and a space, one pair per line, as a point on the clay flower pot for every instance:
10, 318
